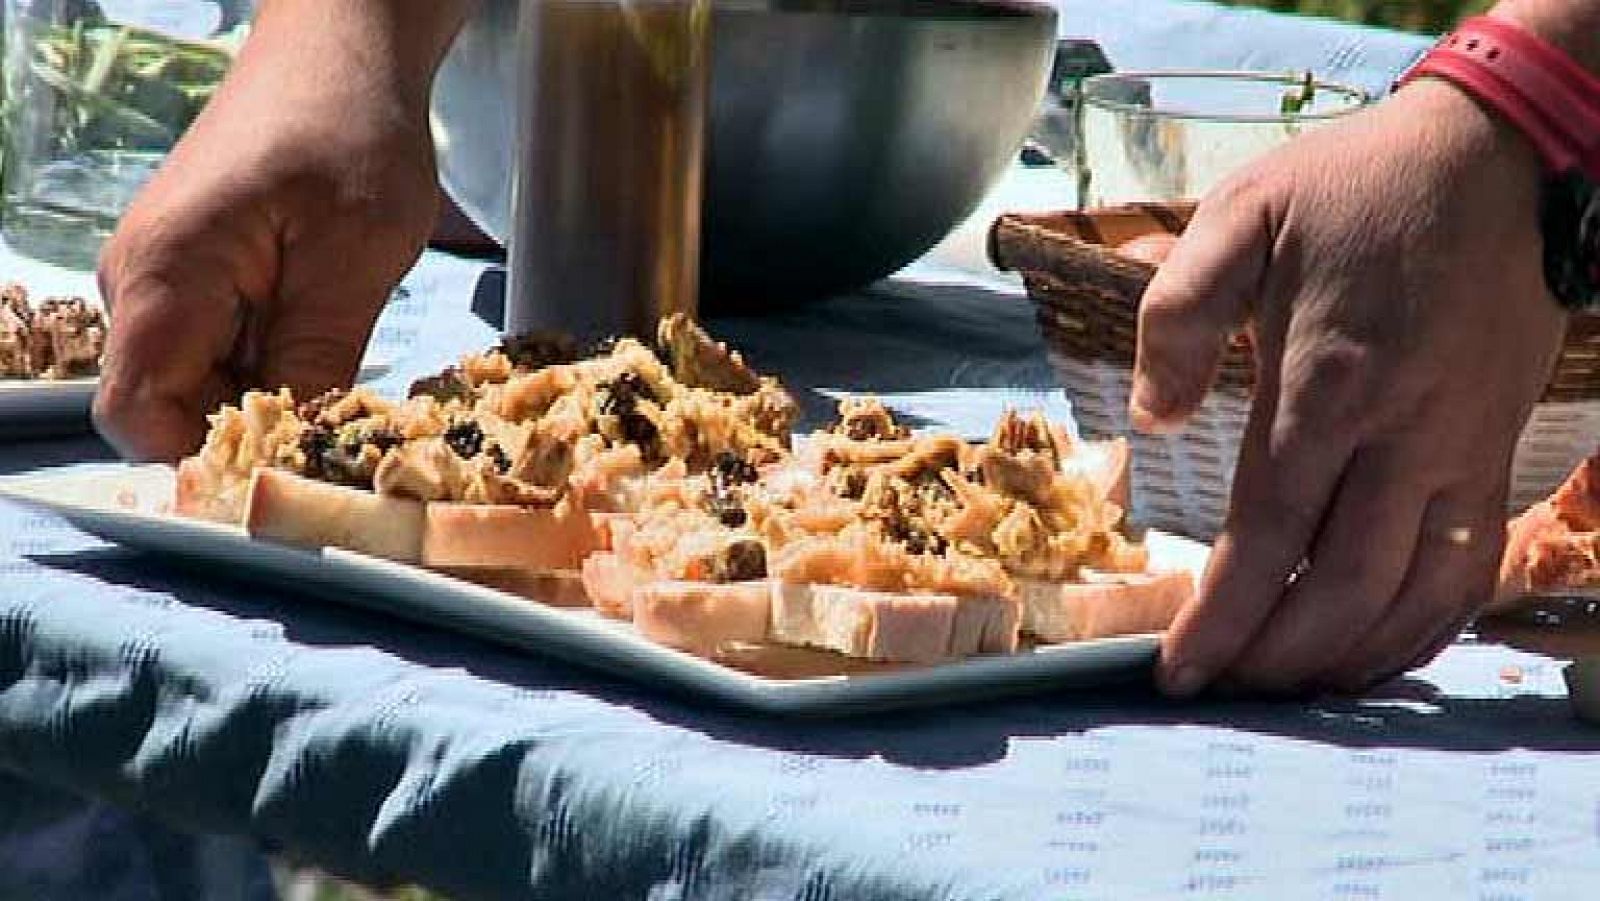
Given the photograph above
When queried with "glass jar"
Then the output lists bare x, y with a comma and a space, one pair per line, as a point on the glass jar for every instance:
1172, 135
96, 94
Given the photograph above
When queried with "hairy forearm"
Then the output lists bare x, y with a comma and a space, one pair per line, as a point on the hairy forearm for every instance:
1572, 25
395, 43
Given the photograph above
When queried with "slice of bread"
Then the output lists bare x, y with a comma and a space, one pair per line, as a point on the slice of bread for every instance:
289, 509
508, 537
700, 617
553, 588
1553, 548
908, 628
530, 552
611, 581
1103, 605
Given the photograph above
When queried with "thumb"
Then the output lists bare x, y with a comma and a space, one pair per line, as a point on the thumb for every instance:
167, 354
1198, 297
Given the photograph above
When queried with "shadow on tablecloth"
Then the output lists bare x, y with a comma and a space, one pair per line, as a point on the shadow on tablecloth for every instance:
1410, 713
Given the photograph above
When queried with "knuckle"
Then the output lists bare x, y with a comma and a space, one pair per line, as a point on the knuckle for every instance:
1280, 513
1243, 189
1330, 369
1173, 315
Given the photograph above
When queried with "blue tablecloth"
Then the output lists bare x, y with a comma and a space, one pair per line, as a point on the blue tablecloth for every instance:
388, 752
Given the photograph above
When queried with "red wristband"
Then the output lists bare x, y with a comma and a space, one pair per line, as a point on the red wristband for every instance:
1554, 101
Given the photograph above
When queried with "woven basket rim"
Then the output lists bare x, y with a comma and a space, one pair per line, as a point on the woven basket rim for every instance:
1072, 276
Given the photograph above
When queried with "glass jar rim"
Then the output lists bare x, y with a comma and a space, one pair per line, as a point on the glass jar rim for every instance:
1358, 97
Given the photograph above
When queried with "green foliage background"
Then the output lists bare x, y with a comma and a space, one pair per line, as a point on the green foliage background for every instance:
1428, 16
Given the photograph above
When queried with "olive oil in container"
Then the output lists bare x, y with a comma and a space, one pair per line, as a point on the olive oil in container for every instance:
605, 233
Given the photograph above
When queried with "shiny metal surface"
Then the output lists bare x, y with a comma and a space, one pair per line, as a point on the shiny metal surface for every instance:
607, 198
846, 138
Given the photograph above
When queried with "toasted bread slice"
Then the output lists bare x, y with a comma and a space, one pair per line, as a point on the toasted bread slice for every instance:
293, 510
610, 582
907, 628
700, 617
530, 539
1544, 556
554, 588
1104, 605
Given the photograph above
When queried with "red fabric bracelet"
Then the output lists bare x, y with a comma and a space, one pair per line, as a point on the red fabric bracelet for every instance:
1549, 97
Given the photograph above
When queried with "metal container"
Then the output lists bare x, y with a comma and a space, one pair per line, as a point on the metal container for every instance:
845, 138
605, 232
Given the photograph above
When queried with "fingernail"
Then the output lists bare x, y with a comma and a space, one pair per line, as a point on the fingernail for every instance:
1183, 681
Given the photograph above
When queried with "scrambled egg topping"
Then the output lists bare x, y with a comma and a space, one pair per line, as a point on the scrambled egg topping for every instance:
696, 446
866, 505
527, 423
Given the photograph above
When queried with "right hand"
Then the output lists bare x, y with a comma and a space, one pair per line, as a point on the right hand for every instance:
262, 252
1388, 267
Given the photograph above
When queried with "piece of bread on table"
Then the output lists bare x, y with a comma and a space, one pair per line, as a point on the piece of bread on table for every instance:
885, 626
531, 552
702, 617
1104, 605
894, 627
289, 509
553, 588
508, 537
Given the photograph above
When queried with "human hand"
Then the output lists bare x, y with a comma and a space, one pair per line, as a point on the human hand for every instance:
1388, 268
262, 252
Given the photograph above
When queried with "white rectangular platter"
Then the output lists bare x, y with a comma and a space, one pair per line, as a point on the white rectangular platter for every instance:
126, 505
31, 408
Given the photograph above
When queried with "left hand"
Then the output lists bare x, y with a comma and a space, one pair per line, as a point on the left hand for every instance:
1389, 269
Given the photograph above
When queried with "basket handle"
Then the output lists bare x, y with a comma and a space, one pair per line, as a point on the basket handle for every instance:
1077, 247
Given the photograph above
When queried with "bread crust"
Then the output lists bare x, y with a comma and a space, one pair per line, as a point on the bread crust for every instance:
289, 509
1104, 606
700, 617
610, 582
507, 537
553, 588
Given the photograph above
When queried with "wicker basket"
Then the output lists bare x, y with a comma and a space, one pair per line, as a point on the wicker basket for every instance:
1087, 301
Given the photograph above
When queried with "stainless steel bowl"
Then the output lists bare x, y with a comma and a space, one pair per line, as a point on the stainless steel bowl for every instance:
846, 138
